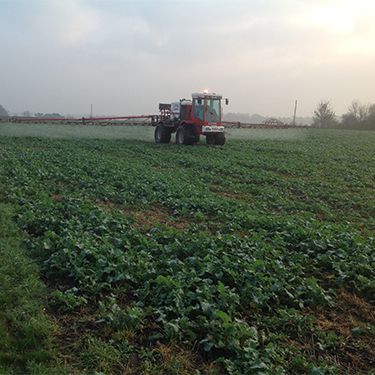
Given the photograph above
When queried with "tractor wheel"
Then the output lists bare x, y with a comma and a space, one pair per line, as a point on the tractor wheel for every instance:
220, 139
210, 139
215, 139
162, 134
185, 135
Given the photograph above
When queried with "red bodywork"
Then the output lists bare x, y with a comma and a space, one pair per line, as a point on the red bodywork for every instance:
197, 122
188, 111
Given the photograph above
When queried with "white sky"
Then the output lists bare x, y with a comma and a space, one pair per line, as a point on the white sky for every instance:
127, 56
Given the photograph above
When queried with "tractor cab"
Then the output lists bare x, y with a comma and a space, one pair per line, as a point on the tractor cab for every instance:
207, 108
207, 116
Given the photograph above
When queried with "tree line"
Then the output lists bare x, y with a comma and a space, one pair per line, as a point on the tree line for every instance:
3, 112
358, 116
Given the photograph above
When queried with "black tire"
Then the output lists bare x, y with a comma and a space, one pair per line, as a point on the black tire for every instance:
220, 139
185, 135
210, 139
215, 139
162, 134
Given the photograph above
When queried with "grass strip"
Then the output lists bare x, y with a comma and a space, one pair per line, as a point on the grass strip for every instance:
25, 330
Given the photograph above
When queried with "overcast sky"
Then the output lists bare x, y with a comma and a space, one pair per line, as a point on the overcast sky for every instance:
125, 57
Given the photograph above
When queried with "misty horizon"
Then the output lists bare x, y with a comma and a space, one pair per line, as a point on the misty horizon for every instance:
254, 118
126, 57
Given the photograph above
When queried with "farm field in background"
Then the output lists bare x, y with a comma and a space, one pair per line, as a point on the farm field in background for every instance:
252, 258
129, 132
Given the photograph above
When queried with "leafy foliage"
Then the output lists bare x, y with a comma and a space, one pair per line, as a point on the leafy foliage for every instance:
272, 228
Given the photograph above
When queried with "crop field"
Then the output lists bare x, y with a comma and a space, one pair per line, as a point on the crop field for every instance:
120, 256
140, 133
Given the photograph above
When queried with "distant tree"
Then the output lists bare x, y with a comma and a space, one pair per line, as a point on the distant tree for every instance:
360, 111
349, 120
371, 117
3, 112
359, 116
53, 115
371, 112
324, 116
26, 113
354, 108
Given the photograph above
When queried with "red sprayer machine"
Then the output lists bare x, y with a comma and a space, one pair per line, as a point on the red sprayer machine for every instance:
189, 119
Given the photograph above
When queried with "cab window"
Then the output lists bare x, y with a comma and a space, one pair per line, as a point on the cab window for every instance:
199, 109
213, 110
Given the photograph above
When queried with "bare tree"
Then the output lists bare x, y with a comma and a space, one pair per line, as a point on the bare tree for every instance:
370, 121
324, 116
3, 112
359, 111
349, 120
358, 115
354, 108
26, 113
363, 112
371, 111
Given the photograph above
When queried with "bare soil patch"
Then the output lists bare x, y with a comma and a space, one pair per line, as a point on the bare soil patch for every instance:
108, 205
353, 320
158, 215
57, 197
222, 192
147, 218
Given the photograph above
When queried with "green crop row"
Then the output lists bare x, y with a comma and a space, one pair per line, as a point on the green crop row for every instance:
225, 252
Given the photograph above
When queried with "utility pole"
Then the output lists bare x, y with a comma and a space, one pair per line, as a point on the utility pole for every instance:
91, 111
295, 112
